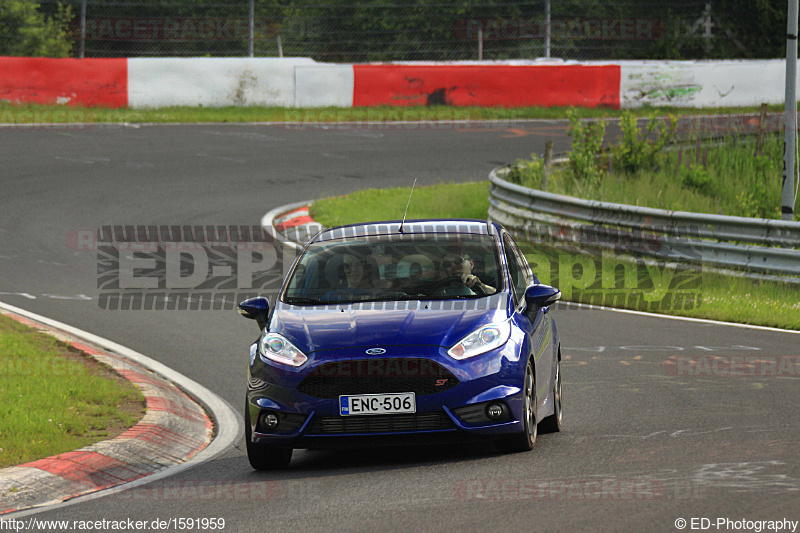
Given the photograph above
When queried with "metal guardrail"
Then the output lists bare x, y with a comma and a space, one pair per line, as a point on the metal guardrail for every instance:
763, 246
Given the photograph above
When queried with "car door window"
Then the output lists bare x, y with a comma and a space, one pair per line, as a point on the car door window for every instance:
523, 263
516, 272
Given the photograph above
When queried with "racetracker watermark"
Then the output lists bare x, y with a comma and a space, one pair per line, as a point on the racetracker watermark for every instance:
727, 366
182, 267
604, 29
41, 118
60, 367
199, 490
395, 118
745, 123
179, 29
591, 489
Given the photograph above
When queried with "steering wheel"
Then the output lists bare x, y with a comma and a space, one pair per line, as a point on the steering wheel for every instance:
452, 281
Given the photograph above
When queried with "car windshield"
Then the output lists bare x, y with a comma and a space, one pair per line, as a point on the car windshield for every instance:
395, 267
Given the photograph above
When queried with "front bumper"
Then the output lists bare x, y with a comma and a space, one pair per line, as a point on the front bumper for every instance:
455, 414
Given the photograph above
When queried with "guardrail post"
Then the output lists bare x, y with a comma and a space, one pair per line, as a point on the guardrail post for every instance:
82, 46
547, 29
548, 160
252, 23
790, 122
762, 128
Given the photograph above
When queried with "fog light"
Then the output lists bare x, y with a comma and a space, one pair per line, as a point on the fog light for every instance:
269, 420
495, 411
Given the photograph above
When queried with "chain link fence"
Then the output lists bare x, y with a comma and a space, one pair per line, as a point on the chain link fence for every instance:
435, 30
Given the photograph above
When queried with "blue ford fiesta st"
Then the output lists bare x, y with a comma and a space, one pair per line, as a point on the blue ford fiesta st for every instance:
398, 332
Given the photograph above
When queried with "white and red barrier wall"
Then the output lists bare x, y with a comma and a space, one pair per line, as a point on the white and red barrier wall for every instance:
302, 82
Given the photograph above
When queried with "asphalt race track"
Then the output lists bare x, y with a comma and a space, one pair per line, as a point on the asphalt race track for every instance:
644, 444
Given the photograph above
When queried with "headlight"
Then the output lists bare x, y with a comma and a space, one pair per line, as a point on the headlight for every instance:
278, 348
481, 340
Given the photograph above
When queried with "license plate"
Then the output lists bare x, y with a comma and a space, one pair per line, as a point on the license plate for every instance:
377, 404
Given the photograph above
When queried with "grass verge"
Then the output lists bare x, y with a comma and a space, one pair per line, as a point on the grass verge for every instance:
54, 399
728, 177
600, 279
59, 114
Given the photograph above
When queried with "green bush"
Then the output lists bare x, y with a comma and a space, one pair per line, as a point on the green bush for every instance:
527, 172
587, 140
642, 150
697, 178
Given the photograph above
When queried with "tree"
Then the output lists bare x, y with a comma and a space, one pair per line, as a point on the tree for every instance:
25, 31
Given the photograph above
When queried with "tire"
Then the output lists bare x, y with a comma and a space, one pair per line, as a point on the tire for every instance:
525, 440
263, 457
553, 423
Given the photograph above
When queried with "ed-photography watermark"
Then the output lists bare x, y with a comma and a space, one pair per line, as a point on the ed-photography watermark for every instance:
214, 267
614, 279
636, 268
735, 524
145, 267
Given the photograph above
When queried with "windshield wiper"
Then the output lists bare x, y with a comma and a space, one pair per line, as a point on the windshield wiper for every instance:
392, 299
299, 300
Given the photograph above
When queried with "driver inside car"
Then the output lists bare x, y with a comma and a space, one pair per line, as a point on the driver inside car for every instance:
458, 267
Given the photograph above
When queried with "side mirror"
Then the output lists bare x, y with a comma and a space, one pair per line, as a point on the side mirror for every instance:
542, 295
257, 309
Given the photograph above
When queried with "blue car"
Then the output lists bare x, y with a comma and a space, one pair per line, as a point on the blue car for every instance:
403, 332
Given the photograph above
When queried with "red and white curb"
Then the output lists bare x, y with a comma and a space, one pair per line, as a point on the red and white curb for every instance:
175, 430
291, 224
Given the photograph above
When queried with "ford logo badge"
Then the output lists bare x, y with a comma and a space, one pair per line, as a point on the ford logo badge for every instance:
375, 351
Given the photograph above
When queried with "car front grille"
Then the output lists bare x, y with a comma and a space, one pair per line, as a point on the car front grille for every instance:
375, 376
333, 425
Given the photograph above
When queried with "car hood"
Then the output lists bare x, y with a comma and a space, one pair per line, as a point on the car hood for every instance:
400, 323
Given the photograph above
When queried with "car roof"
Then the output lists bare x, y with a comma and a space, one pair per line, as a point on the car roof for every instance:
421, 226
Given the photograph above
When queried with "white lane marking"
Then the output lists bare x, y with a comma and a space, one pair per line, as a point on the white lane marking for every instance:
680, 432
229, 425
69, 125
79, 297
23, 294
221, 158
87, 159
134, 164
757, 475
688, 433
673, 317
660, 348
692, 481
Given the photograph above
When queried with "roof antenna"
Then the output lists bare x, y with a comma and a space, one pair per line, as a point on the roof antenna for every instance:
407, 204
